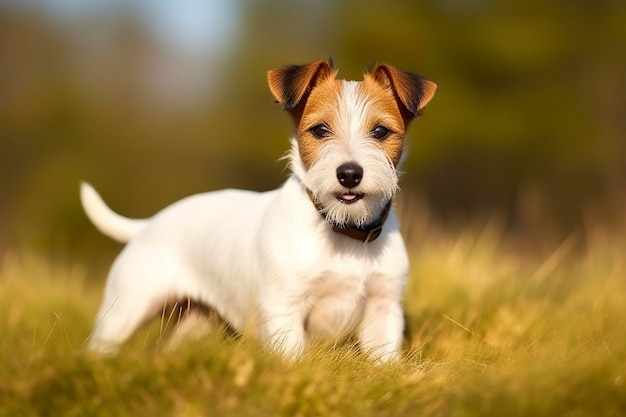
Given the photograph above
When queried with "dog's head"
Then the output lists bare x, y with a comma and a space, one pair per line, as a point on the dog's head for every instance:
349, 135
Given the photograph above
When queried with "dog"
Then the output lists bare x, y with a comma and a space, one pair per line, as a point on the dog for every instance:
318, 259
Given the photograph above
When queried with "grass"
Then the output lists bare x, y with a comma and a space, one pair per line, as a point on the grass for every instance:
491, 331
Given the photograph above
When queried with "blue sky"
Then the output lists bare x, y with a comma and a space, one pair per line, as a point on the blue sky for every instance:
195, 26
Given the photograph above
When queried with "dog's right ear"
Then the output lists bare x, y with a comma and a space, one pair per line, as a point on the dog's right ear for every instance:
291, 85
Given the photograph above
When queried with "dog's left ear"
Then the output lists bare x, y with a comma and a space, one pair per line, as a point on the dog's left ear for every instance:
291, 85
413, 91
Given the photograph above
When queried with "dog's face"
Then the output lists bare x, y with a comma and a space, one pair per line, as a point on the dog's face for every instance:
349, 135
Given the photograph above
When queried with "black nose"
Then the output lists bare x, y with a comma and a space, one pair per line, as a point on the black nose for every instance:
349, 174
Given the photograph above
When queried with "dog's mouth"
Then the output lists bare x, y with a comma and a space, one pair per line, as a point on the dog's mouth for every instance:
349, 197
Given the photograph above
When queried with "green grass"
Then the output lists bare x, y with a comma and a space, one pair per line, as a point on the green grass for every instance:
491, 331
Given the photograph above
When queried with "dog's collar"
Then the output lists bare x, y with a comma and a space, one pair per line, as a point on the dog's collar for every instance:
365, 234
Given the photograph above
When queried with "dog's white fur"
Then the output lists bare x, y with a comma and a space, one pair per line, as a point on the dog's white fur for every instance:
270, 260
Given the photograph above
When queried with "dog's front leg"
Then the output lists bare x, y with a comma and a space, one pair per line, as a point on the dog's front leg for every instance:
283, 331
381, 330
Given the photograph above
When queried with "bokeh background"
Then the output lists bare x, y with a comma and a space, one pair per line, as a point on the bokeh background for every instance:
153, 100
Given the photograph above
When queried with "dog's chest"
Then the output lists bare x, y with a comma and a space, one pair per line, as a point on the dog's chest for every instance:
335, 303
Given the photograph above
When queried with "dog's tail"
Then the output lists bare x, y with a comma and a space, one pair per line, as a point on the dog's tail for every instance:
106, 220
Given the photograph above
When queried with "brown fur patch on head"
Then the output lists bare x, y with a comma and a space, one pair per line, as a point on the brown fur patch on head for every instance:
384, 111
322, 108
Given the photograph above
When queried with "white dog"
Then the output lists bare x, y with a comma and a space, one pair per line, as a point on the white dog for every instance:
316, 259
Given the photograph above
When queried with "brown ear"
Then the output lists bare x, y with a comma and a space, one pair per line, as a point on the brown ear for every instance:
290, 85
413, 91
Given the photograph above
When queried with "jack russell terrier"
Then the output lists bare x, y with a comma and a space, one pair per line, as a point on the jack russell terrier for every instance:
317, 259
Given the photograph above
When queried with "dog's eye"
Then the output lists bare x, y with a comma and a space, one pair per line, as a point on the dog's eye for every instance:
380, 132
320, 131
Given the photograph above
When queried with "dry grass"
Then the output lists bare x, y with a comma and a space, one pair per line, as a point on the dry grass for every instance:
491, 331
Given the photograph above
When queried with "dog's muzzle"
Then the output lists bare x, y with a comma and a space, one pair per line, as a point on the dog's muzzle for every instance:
365, 234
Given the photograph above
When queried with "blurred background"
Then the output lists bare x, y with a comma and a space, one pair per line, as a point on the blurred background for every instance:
153, 100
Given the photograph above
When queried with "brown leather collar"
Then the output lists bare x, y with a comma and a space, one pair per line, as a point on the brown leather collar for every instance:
365, 233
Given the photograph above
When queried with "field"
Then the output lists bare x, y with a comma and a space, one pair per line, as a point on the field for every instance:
493, 330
